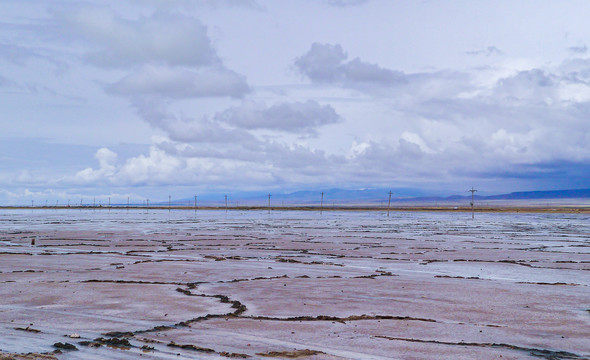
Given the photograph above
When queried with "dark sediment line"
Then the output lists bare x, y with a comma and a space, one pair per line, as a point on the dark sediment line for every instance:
546, 283
291, 354
235, 304
29, 329
542, 353
190, 347
339, 319
141, 282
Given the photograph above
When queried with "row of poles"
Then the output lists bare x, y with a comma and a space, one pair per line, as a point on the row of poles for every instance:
472, 190
147, 201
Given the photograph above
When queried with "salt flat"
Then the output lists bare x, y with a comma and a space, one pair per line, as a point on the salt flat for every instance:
340, 285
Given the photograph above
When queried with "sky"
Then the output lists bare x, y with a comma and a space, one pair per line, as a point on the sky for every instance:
146, 98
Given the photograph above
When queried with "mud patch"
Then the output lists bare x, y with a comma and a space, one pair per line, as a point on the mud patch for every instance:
291, 354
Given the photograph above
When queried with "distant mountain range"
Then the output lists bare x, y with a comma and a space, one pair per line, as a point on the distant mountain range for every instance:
554, 194
370, 196
521, 195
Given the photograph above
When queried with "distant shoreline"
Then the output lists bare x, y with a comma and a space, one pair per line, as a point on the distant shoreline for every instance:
565, 209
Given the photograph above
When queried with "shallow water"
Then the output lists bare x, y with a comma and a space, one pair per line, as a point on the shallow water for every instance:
428, 282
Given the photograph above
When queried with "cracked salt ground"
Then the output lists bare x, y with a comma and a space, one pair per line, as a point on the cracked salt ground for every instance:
344, 285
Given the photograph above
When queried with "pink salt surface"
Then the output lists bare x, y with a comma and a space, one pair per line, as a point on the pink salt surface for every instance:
348, 285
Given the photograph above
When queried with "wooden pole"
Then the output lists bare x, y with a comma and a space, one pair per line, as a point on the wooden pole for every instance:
472, 203
389, 203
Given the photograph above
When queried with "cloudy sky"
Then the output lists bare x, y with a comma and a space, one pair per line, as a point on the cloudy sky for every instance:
146, 98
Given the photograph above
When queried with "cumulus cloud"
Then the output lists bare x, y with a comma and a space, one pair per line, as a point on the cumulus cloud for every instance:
504, 118
532, 85
281, 157
107, 166
106, 159
326, 63
170, 162
155, 168
161, 38
297, 117
187, 129
169, 82
450, 127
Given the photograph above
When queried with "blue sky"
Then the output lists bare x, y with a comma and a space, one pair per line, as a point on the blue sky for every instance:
143, 99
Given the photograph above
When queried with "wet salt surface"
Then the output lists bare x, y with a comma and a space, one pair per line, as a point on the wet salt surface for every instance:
348, 285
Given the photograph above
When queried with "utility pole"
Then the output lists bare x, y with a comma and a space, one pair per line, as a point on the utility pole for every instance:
472, 204
169, 202
269, 202
32, 203
109, 201
225, 203
127, 202
195, 203
322, 203
94, 202
68, 202
389, 203
147, 201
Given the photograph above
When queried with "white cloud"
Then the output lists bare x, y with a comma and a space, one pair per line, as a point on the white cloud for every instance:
166, 82
325, 63
106, 159
298, 117
162, 38
186, 129
366, 105
155, 168
107, 166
